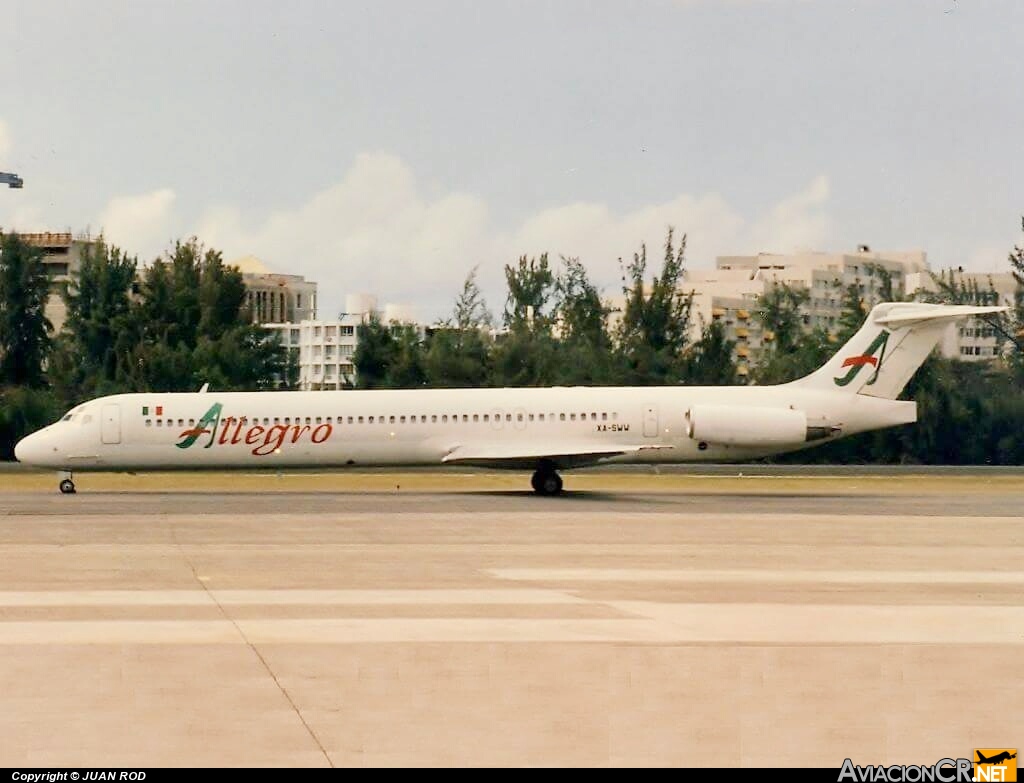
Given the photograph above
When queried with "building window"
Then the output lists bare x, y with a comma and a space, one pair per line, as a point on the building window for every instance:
348, 331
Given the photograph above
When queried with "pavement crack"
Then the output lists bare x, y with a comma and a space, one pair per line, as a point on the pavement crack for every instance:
252, 647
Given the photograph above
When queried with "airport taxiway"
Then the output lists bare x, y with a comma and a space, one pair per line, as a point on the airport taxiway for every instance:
767, 623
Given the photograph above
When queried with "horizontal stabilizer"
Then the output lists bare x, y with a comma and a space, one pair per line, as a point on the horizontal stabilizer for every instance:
901, 316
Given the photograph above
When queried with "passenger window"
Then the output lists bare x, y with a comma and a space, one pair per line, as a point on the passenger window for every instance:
149, 423
391, 419
519, 417
615, 416
561, 417
593, 417
572, 416
67, 418
444, 419
542, 417
476, 417
307, 420
318, 419
487, 417
423, 419
433, 418
508, 417
371, 420
465, 418
604, 417
401, 419
159, 422
277, 420
531, 417
287, 419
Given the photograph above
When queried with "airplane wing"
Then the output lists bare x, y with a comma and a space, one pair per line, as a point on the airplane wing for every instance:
525, 456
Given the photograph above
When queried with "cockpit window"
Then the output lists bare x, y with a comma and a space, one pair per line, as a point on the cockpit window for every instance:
67, 418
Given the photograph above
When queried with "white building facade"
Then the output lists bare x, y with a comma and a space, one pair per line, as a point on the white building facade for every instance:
729, 293
325, 350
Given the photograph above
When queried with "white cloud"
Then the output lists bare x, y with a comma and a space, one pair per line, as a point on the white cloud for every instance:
140, 224
377, 230
798, 222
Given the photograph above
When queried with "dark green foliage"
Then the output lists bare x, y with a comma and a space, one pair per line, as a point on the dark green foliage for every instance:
22, 411
375, 353
710, 362
98, 330
789, 350
457, 354
531, 289
24, 328
654, 330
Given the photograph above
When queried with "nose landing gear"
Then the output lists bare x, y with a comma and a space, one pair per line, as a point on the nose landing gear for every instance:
67, 486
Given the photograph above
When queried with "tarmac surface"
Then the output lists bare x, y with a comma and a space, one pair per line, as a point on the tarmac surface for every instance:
690, 622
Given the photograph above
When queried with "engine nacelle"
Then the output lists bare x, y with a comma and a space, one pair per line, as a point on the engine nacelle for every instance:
742, 426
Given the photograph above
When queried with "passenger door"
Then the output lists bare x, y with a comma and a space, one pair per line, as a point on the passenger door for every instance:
650, 421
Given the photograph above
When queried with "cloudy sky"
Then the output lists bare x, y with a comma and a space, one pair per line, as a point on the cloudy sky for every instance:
392, 146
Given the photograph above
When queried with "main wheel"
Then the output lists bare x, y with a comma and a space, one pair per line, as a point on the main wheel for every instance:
67, 487
546, 483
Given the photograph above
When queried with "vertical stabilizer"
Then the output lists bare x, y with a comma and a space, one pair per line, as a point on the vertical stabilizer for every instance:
884, 354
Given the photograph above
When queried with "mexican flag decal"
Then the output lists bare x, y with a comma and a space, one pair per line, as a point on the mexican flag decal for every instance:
158, 410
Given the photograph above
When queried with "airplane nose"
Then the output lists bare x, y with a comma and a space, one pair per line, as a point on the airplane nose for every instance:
30, 450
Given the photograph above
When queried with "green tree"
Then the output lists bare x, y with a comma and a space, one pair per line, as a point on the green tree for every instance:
531, 292
24, 329
525, 354
458, 349
584, 346
22, 411
97, 333
375, 353
190, 326
710, 362
789, 350
653, 332
407, 370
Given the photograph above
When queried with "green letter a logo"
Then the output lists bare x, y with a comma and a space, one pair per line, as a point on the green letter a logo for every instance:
855, 363
206, 424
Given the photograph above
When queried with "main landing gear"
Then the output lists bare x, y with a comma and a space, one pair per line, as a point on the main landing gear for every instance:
67, 486
546, 481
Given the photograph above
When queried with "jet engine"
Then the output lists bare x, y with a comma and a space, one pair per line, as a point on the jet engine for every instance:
746, 426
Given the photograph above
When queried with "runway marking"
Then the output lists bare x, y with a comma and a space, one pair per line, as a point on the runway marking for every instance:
504, 596
645, 623
817, 624
751, 575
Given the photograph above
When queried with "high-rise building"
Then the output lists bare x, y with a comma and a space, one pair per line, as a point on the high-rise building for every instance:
62, 256
729, 293
975, 339
275, 298
325, 350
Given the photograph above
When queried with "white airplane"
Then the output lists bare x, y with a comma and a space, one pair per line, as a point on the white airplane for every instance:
540, 429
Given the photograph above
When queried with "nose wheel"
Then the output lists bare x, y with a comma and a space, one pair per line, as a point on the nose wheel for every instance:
546, 482
67, 487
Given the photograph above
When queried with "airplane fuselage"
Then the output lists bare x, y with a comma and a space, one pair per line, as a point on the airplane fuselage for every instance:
425, 427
